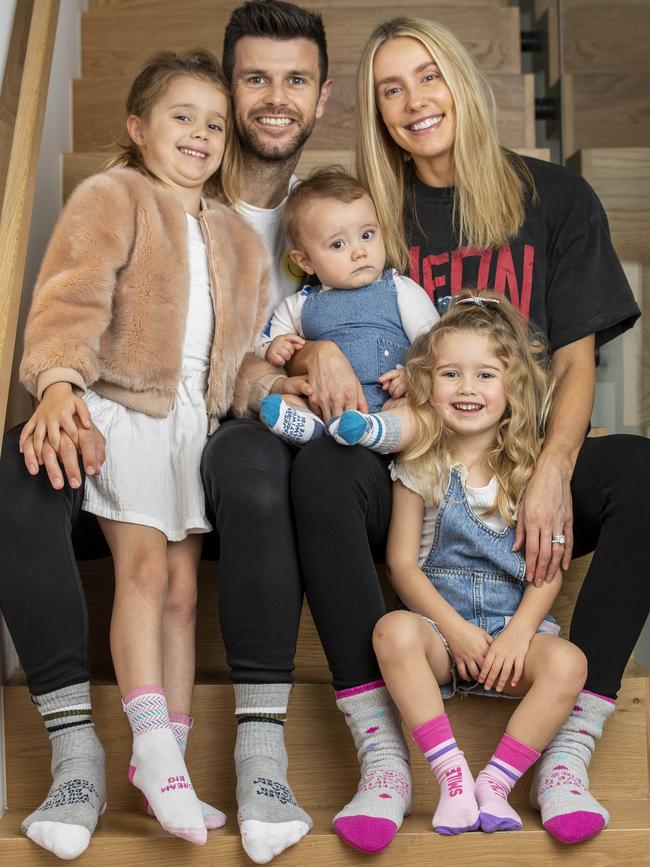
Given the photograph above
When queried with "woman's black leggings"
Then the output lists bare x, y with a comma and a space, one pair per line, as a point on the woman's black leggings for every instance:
320, 513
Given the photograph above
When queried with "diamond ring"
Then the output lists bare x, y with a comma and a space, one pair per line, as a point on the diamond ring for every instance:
559, 539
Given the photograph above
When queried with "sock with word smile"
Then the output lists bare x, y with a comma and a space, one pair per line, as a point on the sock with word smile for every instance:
295, 426
457, 809
561, 785
270, 819
510, 761
378, 431
66, 819
373, 817
157, 767
181, 725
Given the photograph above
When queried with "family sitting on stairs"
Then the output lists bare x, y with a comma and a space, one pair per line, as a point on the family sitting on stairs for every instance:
195, 286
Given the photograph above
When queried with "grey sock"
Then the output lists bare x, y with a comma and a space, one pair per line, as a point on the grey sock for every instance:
66, 819
377, 431
270, 818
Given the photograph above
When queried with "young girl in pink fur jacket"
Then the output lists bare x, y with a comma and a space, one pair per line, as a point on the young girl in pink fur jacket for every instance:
148, 301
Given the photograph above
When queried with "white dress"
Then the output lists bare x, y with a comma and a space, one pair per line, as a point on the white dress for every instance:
151, 475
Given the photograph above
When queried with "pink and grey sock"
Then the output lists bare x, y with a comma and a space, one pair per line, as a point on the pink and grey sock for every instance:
510, 761
561, 785
65, 821
158, 768
270, 819
457, 809
373, 817
377, 431
181, 725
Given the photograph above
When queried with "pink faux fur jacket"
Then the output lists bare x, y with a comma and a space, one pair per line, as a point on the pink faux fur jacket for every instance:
111, 299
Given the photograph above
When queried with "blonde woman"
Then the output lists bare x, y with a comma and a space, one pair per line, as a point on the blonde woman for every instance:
470, 212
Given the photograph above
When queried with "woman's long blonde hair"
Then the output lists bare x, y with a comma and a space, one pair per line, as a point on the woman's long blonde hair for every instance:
150, 85
489, 181
528, 390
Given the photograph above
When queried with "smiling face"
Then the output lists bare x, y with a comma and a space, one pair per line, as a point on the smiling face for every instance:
182, 139
277, 95
468, 385
416, 107
340, 242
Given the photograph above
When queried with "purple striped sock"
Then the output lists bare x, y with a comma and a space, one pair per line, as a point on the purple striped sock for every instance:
510, 761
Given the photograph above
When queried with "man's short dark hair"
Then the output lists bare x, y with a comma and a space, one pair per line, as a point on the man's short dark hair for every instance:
274, 19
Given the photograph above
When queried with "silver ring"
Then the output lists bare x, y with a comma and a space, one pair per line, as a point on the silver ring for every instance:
559, 539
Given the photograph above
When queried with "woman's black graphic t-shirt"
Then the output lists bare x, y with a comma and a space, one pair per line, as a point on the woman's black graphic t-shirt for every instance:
560, 271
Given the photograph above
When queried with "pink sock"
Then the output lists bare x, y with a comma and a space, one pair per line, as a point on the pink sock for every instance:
457, 810
510, 761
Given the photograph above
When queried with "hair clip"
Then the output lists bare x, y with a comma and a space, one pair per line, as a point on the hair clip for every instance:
476, 299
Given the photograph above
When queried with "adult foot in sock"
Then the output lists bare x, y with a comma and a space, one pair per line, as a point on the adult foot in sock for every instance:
295, 426
65, 821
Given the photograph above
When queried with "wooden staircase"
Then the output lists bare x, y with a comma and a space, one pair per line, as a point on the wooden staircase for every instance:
323, 768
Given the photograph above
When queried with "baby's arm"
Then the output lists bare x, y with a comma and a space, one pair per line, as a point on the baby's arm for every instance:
283, 332
509, 648
468, 644
282, 348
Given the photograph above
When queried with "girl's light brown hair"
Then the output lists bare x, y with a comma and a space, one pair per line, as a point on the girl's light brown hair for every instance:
528, 389
151, 84
490, 182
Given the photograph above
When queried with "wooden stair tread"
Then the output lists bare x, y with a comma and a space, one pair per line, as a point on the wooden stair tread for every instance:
128, 837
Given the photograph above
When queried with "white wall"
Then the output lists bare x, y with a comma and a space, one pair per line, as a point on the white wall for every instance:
57, 139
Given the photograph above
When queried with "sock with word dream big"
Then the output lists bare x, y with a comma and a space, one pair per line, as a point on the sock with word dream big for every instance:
378, 431
373, 817
181, 725
157, 767
457, 809
270, 819
295, 426
509, 763
561, 785
66, 819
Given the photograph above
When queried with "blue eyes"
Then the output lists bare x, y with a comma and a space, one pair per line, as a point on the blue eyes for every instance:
183, 118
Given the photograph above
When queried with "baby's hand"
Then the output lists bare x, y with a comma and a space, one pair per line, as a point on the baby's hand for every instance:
469, 646
55, 413
506, 655
394, 382
282, 348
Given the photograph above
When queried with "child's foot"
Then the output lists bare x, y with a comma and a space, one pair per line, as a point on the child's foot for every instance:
379, 431
496, 814
295, 426
373, 817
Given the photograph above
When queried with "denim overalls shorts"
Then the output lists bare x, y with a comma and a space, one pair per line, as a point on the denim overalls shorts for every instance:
474, 568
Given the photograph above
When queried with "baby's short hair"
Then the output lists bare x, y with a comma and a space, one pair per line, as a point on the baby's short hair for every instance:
332, 182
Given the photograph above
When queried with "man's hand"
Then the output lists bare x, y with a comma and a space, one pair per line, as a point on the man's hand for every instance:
282, 348
335, 387
546, 511
394, 382
90, 444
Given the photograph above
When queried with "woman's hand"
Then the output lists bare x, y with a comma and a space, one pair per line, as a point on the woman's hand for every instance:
335, 387
55, 413
505, 656
546, 511
394, 382
469, 646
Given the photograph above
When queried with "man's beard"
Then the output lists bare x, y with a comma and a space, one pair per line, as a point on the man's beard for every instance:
252, 143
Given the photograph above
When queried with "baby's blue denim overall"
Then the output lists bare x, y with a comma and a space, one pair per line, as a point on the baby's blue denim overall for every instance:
366, 326
475, 569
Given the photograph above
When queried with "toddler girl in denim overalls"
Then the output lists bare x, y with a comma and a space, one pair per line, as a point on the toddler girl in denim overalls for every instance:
478, 393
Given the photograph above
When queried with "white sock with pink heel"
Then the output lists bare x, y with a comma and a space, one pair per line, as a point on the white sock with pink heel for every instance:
157, 767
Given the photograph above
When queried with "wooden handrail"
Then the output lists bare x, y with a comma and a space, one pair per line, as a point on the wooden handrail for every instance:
21, 180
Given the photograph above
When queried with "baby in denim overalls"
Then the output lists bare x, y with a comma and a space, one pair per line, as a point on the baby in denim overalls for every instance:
478, 393
331, 221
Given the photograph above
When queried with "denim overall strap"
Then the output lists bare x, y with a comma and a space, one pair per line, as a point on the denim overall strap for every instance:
464, 543
366, 326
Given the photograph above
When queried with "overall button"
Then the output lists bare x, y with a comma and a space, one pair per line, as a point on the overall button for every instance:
386, 353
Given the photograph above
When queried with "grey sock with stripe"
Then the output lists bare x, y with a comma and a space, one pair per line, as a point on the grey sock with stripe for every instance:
270, 819
66, 819
378, 431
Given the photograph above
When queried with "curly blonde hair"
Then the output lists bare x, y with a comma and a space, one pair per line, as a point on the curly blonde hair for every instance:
528, 389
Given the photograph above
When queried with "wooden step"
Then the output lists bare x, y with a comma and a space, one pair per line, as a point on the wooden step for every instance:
99, 112
592, 101
115, 41
621, 177
323, 767
131, 840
